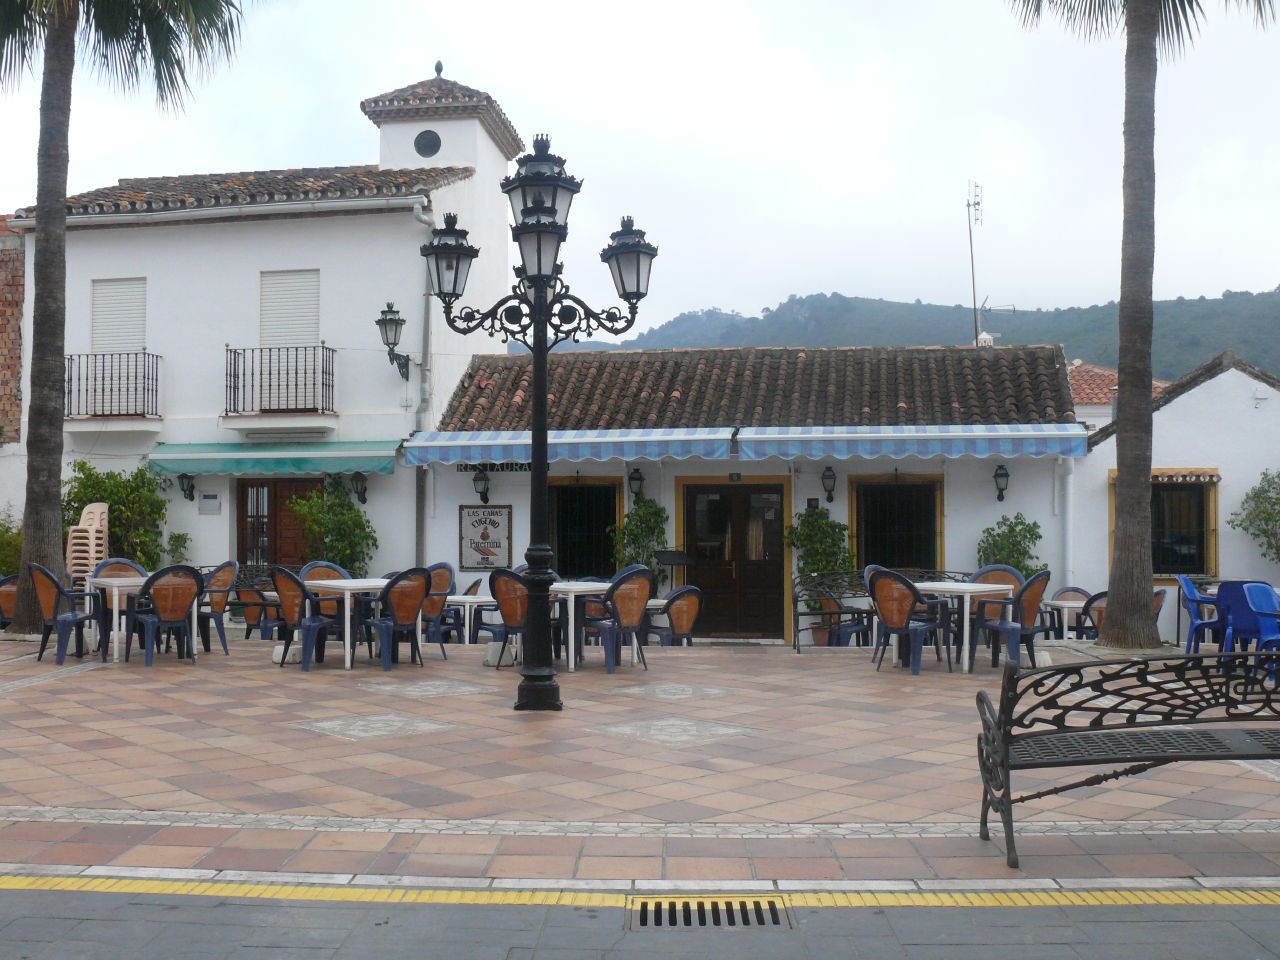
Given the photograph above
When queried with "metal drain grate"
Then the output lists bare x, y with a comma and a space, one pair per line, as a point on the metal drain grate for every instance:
693, 913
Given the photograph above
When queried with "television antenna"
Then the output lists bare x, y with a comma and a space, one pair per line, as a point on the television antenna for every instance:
973, 208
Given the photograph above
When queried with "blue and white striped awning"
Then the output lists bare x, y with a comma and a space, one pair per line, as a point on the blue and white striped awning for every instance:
847, 443
513, 446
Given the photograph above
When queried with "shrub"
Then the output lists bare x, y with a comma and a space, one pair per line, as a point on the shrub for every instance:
1259, 515
135, 521
642, 534
335, 528
1012, 541
821, 544
10, 542
176, 546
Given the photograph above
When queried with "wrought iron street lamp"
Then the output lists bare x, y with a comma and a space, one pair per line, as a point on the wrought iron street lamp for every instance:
480, 483
1001, 477
540, 313
390, 325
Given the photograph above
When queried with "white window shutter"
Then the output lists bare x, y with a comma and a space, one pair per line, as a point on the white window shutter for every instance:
289, 310
119, 315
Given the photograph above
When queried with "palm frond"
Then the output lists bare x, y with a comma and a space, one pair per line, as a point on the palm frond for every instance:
1089, 18
21, 37
169, 39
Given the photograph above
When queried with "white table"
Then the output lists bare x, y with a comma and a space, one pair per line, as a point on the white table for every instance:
348, 589
1065, 608
129, 586
468, 602
965, 591
571, 590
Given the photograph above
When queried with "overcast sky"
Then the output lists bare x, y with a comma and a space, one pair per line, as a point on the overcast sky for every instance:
769, 148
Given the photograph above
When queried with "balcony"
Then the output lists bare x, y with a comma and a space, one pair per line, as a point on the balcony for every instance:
286, 390
112, 391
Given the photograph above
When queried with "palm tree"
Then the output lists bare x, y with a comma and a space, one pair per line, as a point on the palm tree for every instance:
122, 39
1150, 27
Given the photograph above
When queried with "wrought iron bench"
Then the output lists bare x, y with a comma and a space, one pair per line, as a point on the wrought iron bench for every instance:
1137, 711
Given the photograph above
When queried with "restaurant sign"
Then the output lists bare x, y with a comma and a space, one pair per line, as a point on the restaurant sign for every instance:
484, 537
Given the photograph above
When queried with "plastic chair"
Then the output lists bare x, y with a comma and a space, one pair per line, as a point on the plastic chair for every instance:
298, 614
8, 599
259, 613
1242, 623
401, 603
1056, 618
329, 604
899, 604
1193, 601
512, 593
626, 603
439, 586
52, 595
1094, 613
681, 607
840, 631
1263, 604
217, 591
1019, 631
87, 540
164, 603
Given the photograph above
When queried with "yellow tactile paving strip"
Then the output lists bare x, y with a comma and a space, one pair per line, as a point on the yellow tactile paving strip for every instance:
576, 898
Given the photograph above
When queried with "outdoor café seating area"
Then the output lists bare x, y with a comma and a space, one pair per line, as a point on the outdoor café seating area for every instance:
995, 606
178, 607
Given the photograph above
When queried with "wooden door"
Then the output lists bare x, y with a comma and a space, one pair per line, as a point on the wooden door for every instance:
268, 531
733, 534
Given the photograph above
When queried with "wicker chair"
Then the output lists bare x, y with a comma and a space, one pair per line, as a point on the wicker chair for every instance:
439, 586
329, 603
681, 608
8, 599
902, 611
627, 605
1019, 630
512, 593
298, 616
259, 613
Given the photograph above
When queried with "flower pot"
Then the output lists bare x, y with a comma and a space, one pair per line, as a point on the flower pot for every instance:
821, 634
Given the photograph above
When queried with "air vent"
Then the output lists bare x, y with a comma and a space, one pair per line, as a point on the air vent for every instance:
699, 913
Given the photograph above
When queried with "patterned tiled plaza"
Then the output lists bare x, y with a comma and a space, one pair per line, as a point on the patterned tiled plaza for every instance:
719, 763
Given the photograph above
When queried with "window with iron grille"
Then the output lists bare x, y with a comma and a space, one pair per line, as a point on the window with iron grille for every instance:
1180, 528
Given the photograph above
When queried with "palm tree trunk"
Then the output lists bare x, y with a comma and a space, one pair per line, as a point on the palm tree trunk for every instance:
1129, 621
42, 516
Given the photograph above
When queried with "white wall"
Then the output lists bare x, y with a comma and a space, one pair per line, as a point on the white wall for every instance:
1218, 424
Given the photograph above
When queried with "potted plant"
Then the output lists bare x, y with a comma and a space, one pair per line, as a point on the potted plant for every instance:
822, 546
642, 534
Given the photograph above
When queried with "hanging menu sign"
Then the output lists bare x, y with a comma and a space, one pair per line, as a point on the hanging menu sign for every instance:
484, 537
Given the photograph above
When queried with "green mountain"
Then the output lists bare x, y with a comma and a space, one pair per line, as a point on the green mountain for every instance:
1187, 332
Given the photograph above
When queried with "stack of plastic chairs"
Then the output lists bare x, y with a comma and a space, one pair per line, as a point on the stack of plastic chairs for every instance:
87, 542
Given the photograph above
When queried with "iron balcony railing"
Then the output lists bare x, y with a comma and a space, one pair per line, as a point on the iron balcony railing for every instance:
112, 385
280, 379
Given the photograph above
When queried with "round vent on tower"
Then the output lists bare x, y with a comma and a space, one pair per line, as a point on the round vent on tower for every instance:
427, 143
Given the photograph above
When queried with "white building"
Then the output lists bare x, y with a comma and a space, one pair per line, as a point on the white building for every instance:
221, 326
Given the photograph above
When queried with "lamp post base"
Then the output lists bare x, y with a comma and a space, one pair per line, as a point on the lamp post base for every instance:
540, 694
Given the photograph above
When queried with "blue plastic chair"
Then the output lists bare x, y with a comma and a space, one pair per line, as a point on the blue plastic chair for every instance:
401, 604
299, 612
1193, 601
217, 592
1241, 624
112, 567
1265, 607
511, 591
52, 594
1019, 630
681, 608
902, 611
628, 616
164, 603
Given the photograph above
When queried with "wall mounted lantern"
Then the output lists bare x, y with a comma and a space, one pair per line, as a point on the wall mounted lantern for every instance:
480, 480
1001, 477
829, 483
187, 484
360, 487
635, 480
390, 325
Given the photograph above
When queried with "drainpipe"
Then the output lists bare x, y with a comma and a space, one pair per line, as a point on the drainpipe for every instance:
421, 416
1068, 529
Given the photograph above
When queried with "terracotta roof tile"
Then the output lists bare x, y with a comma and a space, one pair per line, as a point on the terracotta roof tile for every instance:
1093, 384
198, 191
438, 97
769, 386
